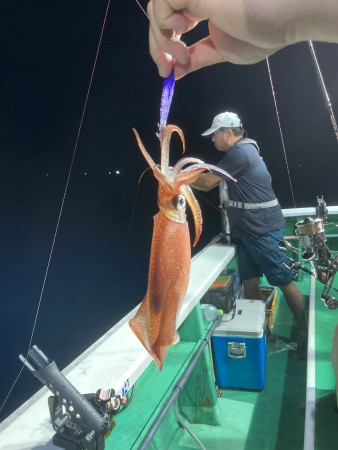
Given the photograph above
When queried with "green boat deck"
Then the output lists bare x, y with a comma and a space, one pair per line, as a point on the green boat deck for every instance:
276, 418
326, 429
271, 419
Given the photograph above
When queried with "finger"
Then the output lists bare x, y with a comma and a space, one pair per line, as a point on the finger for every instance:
167, 41
162, 60
201, 54
166, 17
204, 54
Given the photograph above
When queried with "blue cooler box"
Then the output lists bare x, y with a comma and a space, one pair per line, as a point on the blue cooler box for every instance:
239, 347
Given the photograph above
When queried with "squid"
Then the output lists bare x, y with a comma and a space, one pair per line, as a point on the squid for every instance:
170, 257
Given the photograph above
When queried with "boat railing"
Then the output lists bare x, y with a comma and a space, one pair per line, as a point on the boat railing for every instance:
116, 360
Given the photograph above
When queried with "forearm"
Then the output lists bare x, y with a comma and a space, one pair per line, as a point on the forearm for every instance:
315, 20
270, 24
206, 182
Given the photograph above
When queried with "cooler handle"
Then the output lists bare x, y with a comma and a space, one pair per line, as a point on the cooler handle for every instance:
236, 350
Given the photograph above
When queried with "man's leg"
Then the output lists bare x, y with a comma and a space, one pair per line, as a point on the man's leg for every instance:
252, 290
271, 263
296, 303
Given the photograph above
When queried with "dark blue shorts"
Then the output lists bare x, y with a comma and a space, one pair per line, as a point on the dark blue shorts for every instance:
256, 256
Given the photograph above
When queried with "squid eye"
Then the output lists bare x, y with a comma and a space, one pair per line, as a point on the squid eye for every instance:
180, 204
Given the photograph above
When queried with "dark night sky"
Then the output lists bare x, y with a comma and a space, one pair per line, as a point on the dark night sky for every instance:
101, 251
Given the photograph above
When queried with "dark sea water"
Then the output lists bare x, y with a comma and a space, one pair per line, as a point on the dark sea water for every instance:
98, 270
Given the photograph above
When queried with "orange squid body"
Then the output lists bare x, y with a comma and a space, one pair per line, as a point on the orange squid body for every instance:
169, 270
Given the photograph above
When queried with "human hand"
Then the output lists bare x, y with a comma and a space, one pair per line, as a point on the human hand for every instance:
240, 32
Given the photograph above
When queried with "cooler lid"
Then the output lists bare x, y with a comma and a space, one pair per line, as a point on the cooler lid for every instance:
248, 321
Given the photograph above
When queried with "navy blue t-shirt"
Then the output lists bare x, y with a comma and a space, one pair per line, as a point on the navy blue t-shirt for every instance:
253, 185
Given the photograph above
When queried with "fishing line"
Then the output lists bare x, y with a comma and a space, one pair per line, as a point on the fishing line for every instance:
332, 226
207, 201
63, 198
132, 214
280, 132
166, 99
144, 11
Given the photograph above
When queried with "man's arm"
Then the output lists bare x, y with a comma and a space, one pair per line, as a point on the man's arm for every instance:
206, 181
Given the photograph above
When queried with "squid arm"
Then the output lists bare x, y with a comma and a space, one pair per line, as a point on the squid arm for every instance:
196, 212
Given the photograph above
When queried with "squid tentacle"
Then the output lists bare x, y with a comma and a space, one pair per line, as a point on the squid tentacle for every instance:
165, 141
182, 162
143, 150
209, 167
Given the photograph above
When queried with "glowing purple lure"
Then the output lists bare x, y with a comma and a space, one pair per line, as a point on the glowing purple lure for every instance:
167, 95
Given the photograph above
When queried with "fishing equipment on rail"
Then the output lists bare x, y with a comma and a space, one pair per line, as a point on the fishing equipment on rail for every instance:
310, 232
294, 266
314, 249
311, 236
80, 421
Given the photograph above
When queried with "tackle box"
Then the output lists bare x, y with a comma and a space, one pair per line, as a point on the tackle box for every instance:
223, 293
239, 347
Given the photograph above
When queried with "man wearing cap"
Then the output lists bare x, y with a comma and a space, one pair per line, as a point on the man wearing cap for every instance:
255, 217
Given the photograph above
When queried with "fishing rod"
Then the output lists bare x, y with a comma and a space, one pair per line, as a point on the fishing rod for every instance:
323, 89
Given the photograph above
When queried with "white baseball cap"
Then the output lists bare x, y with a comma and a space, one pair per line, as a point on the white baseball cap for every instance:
223, 120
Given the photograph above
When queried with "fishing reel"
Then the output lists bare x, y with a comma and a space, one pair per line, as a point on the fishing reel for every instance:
311, 235
312, 238
80, 421
293, 265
